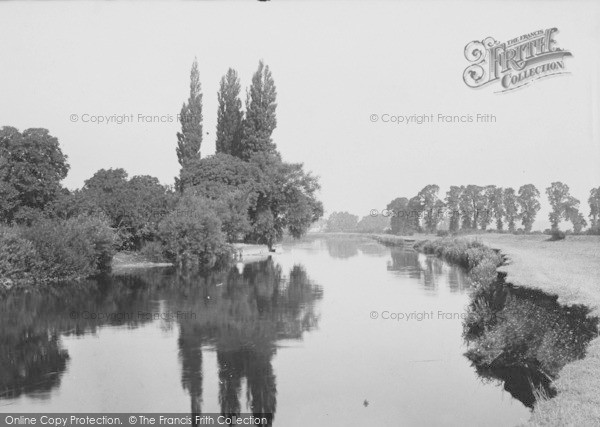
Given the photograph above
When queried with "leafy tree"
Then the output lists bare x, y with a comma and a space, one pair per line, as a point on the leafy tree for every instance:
286, 200
189, 140
511, 208
276, 196
486, 214
342, 221
470, 206
497, 208
562, 203
134, 206
529, 205
32, 166
260, 118
214, 175
415, 211
230, 115
453, 197
428, 198
399, 216
572, 214
576, 219
594, 202
231, 185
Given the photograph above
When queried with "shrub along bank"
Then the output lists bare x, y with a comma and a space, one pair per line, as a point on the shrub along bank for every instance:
479, 260
55, 250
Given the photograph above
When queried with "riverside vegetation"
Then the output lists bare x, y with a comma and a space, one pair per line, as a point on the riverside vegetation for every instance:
243, 193
523, 337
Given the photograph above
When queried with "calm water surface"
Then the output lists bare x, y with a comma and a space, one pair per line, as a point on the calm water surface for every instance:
303, 335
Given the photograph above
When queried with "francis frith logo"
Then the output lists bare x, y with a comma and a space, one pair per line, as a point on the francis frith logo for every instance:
516, 62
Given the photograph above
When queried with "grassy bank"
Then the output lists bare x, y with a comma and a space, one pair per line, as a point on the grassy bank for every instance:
569, 269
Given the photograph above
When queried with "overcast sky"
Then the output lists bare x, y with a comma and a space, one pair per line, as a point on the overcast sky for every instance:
335, 64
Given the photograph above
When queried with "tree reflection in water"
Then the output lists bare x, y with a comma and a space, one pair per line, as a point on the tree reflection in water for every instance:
241, 316
31, 322
523, 338
427, 269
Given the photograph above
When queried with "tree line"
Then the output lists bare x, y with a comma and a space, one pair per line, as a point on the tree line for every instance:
472, 207
243, 193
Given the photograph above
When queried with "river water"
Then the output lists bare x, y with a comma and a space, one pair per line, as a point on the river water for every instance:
333, 331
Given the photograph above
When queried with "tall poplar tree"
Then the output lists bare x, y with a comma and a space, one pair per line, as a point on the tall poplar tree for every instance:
229, 114
189, 140
260, 118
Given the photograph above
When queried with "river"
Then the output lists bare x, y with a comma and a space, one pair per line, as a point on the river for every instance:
333, 331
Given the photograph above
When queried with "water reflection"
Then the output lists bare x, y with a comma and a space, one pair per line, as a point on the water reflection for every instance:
341, 248
523, 338
428, 270
240, 316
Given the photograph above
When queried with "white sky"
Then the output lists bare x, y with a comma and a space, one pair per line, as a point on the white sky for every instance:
334, 65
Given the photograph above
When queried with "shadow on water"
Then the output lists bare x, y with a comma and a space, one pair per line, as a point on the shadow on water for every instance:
523, 338
241, 315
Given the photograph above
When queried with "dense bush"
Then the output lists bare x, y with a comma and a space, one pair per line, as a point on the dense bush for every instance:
192, 235
480, 260
68, 249
556, 234
18, 257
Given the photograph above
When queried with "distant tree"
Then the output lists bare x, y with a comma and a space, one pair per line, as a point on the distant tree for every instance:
471, 203
429, 203
373, 224
260, 120
528, 204
189, 140
399, 216
32, 166
594, 202
453, 197
415, 213
342, 221
576, 219
562, 203
497, 208
230, 115
486, 214
511, 208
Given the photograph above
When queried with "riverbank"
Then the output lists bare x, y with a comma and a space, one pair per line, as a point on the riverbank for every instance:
569, 269
131, 260
126, 260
